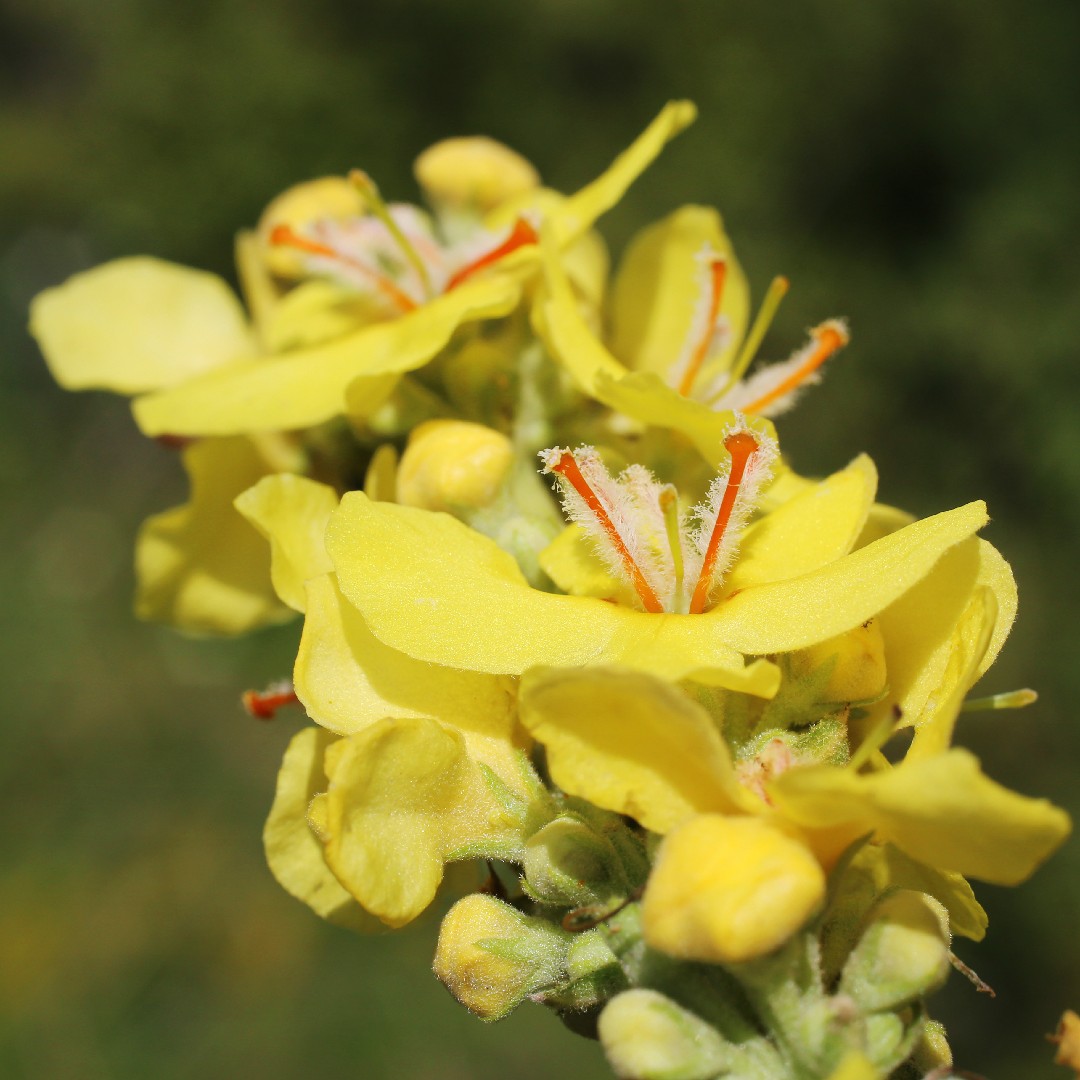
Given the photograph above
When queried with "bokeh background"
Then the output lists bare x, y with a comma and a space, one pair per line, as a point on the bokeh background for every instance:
912, 165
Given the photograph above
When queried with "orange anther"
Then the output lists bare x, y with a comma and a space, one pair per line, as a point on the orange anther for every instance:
717, 277
523, 233
830, 337
741, 445
264, 704
567, 467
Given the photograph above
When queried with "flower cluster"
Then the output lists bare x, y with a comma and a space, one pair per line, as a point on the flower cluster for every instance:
675, 761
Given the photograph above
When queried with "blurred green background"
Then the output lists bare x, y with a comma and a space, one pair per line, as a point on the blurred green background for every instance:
912, 165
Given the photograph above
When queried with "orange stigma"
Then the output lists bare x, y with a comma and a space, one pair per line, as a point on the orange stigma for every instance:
264, 704
286, 236
523, 233
718, 274
741, 445
567, 467
830, 337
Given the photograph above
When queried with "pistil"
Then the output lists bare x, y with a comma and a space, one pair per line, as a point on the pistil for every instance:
776, 292
376, 204
741, 445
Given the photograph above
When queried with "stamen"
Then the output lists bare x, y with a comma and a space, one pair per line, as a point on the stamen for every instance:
718, 273
567, 468
264, 704
521, 235
370, 192
830, 336
284, 235
777, 290
741, 445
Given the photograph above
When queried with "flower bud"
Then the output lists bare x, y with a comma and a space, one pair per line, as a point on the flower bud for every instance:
593, 974
902, 955
729, 889
490, 955
328, 197
932, 1050
569, 864
453, 464
858, 657
647, 1035
473, 174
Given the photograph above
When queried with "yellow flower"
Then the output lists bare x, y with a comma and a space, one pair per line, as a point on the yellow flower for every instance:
431, 291
632, 743
679, 346
405, 786
429, 586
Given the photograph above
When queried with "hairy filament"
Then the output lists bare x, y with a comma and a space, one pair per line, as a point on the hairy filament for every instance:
521, 235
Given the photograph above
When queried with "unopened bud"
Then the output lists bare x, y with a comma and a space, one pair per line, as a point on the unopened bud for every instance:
490, 955
932, 1051
453, 464
329, 197
473, 174
567, 863
646, 1035
729, 889
902, 955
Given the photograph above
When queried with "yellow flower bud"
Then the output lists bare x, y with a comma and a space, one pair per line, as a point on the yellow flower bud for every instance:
328, 197
474, 173
902, 955
858, 656
729, 889
490, 955
451, 464
645, 1034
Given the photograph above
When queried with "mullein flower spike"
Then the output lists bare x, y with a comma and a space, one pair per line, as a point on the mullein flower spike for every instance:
638, 760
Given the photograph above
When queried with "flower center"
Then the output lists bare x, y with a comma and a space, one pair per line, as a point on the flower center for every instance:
638, 531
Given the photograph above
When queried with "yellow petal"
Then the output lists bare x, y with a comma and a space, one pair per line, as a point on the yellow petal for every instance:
583, 208
324, 198
787, 615
570, 560
138, 324
293, 852
257, 286
942, 811
657, 290
729, 889
630, 743
347, 680
292, 513
403, 795
641, 395
201, 566
926, 629
303, 388
473, 173
807, 532
889, 868
317, 311
433, 588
